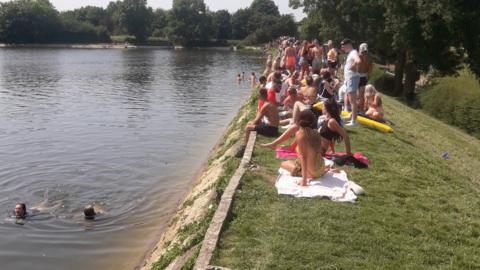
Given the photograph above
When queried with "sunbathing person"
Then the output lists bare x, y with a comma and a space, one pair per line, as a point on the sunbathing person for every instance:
373, 102
330, 128
310, 163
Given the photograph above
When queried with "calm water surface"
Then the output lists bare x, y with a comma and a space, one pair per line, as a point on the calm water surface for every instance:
124, 129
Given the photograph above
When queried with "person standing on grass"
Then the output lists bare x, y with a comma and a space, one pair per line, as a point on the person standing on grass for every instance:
364, 69
332, 58
351, 78
291, 59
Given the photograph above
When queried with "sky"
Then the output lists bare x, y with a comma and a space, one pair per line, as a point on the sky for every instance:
214, 5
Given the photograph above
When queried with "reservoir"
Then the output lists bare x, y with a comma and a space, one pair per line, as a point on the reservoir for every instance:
126, 130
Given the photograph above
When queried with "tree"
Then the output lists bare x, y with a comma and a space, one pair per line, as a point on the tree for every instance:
159, 22
28, 21
222, 25
188, 23
240, 23
136, 18
95, 15
266, 7
417, 34
114, 11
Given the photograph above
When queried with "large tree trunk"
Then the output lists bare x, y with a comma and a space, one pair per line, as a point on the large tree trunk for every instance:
411, 76
399, 69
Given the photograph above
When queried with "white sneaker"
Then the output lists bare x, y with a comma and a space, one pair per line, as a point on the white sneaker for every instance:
351, 123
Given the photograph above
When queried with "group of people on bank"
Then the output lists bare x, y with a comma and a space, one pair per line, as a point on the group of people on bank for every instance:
304, 89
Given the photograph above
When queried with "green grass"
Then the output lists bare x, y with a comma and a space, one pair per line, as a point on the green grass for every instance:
420, 211
121, 38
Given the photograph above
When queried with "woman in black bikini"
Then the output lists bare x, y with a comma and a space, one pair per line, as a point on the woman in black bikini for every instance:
330, 129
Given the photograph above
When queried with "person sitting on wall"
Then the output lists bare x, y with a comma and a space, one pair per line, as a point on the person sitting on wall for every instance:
265, 123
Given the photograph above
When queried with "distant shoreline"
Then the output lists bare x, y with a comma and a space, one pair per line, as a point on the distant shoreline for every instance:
77, 46
119, 46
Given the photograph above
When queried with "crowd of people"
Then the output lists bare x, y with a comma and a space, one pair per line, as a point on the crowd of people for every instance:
304, 89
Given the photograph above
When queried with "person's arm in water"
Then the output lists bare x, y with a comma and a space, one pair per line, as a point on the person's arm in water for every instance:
335, 127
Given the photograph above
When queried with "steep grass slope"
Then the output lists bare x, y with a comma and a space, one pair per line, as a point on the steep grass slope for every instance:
420, 211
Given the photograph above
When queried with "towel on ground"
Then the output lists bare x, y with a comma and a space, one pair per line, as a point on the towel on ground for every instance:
334, 186
286, 152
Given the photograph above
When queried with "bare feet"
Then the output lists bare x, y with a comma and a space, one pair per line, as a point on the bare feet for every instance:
269, 145
300, 182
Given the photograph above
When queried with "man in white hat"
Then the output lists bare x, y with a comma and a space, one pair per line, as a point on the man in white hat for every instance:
364, 69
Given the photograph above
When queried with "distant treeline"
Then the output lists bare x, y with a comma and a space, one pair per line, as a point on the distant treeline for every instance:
189, 22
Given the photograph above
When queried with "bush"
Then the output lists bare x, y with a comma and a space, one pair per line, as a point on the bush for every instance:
382, 81
455, 100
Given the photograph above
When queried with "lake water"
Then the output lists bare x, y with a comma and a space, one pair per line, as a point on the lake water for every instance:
124, 129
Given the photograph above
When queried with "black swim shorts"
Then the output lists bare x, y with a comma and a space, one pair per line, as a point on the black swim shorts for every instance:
363, 81
269, 131
332, 65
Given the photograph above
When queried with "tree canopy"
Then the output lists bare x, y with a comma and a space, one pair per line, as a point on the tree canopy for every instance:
417, 35
189, 22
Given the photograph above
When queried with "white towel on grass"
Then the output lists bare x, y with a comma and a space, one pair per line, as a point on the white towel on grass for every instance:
334, 186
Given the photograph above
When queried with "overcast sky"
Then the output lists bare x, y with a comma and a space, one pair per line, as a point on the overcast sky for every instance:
230, 5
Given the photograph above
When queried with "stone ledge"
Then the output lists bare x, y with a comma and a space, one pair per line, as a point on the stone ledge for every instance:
213, 233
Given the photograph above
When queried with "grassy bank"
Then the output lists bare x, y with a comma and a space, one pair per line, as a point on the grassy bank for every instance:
420, 211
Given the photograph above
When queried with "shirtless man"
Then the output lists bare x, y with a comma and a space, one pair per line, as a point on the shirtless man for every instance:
267, 119
364, 69
253, 80
332, 58
291, 58
265, 123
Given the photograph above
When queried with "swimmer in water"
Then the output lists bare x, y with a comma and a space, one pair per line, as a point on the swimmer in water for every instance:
20, 211
90, 211
46, 205
239, 78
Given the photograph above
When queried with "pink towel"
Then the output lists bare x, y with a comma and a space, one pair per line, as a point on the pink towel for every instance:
285, 152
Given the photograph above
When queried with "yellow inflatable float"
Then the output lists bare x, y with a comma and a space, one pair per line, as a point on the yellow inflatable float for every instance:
362, 120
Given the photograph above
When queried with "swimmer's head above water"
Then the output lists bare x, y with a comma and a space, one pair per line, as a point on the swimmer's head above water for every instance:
89, 212
20, 210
